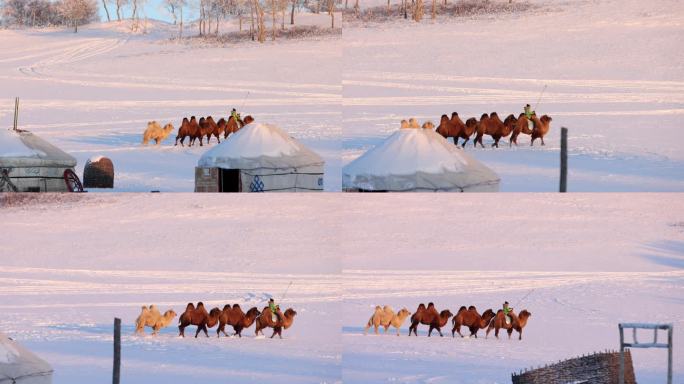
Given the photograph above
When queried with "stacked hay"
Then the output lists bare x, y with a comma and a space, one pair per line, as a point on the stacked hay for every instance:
98, 173
598, 368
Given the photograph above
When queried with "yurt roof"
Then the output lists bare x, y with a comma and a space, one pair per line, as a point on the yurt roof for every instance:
416, 159
24, 149
259, 146
17, 362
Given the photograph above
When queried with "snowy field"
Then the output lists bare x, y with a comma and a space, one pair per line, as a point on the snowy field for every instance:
62, 285
92, 93
585, 263
613, 71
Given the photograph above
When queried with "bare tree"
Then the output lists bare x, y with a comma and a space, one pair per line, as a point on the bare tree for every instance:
120, 4
104, 5
418, 10
331, 12
78, 12
273, 17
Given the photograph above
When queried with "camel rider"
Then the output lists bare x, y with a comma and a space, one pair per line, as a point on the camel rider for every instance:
529, 113
274, 310
507, 311
236, 116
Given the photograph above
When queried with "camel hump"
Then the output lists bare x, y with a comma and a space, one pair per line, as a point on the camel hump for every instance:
463, 308
200, 305
189, 307
431, 305
472, 308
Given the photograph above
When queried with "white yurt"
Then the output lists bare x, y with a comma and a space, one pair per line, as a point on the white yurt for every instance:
19, 365
420, 160
259, 158
31, 164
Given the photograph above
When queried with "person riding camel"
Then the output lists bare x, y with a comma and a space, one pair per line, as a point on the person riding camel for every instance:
507, 311
234, 113
529, 113
275, 316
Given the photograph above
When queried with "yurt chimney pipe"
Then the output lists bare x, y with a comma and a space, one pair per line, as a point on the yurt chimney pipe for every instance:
16, 112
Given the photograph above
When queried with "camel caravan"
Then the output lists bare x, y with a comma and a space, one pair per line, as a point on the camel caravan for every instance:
490, 124
233, 315
196, 130
467, 317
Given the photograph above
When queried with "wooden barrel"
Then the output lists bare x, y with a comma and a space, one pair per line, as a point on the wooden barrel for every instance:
98, 173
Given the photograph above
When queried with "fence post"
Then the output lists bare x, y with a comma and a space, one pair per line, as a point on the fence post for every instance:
564, 160
116, 373
621, 374
669, 355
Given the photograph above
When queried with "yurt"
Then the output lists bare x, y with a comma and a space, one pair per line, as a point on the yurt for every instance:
31, 164
259, 158
18, 365
420, 160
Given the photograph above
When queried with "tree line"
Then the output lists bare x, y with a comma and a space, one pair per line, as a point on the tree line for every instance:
253, 15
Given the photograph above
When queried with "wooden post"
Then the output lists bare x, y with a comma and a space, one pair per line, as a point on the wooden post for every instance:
116, 373
16, 112
669, 355
564, 160
621, 374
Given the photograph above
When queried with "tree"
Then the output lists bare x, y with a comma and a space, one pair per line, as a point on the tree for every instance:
418, 11
78, 12
331, 12
120, 4
104, 5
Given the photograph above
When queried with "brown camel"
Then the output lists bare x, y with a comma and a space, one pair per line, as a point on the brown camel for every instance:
517, 322
198, 316
236, 318
471, 126
541, 128
429, 316
470, 318
493, 126
521, 126
188, 128
284, 321
453, 127
209, 127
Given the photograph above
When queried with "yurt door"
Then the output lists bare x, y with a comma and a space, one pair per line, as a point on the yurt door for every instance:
230, 180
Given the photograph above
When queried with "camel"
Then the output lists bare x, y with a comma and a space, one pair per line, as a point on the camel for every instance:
150, 317
198, 316
233, 126
209, 127
541, 128
155, 132
413, 123
385, 317
470, 318
236, 318
428, 125
492, 125
471, 126
188, 128
521, 126
285, 321
453, 127
429, 316
517, 322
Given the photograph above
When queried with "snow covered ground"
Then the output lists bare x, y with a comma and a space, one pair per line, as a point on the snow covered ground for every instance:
70, 267
92, 93
585, 263
613, 71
